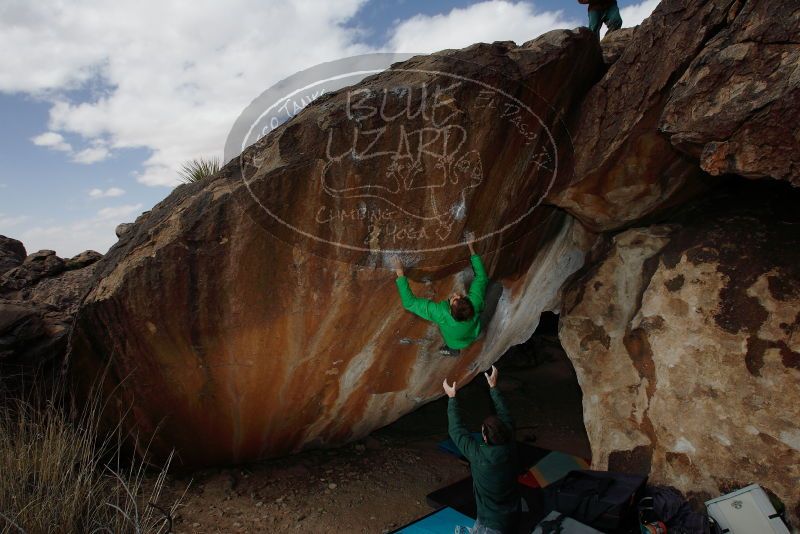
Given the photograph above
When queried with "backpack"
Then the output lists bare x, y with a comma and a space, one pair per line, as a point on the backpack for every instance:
603, 500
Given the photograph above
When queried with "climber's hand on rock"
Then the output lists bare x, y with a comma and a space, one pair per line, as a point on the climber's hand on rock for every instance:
491, 378
397, 265
450, 390
470, 238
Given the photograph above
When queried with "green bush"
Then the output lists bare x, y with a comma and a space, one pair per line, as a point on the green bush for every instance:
197, 170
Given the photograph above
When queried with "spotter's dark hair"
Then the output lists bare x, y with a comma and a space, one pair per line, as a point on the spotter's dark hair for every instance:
497, 433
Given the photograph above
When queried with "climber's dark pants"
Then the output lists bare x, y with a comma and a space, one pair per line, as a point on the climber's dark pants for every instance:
610, 16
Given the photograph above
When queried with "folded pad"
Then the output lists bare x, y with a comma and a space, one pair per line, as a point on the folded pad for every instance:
552, 467
443, 521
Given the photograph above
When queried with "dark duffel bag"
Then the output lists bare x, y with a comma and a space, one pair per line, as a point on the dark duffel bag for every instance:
605, 501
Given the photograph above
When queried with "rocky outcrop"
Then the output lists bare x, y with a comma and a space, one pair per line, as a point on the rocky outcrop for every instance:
12, 253
686, 341
254, 314
700, 86
614, 44
35, 267
38, 300
737, 106
624, 168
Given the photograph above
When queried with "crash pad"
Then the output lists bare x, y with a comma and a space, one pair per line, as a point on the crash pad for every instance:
554, 466
442, 521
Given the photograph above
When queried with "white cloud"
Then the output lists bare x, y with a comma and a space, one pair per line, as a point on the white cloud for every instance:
636, 13
52, 140
55, 141
96, 232
493, 20
9, 221
175, 74
3, 186
119, 212
91, 155
110, 192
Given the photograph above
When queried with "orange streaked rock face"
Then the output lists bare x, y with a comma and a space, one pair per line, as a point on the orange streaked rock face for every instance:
255, 314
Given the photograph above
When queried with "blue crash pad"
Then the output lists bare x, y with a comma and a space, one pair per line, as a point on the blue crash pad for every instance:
442, 521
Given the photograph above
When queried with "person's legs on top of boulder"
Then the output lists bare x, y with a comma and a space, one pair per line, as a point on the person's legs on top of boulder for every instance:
612, 18
601, 11
458, 317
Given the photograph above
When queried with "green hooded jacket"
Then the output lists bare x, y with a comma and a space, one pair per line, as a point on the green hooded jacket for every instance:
494, 467
456, 334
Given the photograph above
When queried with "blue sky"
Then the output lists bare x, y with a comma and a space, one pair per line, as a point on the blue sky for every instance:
100, 102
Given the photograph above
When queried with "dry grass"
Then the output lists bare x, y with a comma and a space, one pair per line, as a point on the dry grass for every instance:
58, 475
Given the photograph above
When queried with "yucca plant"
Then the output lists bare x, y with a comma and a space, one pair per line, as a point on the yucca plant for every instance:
199, 169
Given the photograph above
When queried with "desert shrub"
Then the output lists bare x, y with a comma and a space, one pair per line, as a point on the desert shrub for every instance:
57, 474
198, 169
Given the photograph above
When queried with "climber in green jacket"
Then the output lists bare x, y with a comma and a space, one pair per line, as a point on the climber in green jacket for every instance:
493, 462
601, 11
459, 316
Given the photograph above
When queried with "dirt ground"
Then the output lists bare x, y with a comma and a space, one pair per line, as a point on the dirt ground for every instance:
380, 483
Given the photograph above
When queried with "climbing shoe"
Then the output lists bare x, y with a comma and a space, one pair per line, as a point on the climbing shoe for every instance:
444, 350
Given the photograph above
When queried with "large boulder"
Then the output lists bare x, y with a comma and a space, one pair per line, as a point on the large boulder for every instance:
624, 167
255, 314
686, 341
737, 106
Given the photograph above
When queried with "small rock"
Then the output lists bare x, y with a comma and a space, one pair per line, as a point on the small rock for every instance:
123, 229
360, 447
87, 257
195, 525
332, 486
